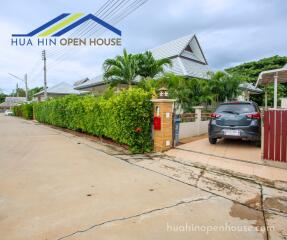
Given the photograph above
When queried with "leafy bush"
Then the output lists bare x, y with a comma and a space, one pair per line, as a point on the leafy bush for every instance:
251, 70
125, 118
24, 110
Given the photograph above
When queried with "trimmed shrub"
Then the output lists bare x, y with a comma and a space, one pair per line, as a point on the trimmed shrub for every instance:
125, 118
24, 110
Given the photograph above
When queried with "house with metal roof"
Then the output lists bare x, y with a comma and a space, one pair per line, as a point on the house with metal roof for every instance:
185, 53
59, 90
10, 102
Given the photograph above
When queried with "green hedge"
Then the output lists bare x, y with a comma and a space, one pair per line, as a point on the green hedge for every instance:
24, 110
124, 118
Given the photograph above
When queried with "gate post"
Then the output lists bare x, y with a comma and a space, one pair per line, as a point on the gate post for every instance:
198, 110
163, 121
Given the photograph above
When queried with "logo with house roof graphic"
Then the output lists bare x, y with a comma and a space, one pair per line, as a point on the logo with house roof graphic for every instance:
63, 24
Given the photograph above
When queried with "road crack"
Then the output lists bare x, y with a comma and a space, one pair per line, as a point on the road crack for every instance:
263, 213
183, 202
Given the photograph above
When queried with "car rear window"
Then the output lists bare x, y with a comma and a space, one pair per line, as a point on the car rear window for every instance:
236, 108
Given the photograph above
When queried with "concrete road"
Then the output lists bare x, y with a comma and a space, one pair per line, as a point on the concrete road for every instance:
55, 185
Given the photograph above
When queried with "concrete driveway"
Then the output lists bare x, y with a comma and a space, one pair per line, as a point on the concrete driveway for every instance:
227, 148
237, 156
55, 185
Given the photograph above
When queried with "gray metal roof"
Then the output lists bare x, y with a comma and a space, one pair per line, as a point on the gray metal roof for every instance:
15, 99
172, 48
98, 80
250, 87
184, 62
12, 101
176, 48
81, 82
60, 88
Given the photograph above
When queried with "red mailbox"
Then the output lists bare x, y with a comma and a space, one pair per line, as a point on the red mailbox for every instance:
156, 123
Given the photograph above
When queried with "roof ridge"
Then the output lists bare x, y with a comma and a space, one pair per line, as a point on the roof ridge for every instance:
189, 36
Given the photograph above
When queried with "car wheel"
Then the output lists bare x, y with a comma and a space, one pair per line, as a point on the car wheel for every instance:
212, 140
258, 143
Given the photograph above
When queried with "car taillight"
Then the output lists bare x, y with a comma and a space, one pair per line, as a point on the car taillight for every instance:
254, 115
215, 115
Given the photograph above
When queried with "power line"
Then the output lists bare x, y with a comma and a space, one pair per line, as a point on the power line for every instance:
106, 16
135, 5
85, 25
90, 29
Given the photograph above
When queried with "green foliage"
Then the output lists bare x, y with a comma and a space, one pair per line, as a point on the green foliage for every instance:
20, 92
24, 110
125, 118
125, 68
251, 70
281, 92
2, 96
148, 66
224, 86
121, 69
33, 91
191, 92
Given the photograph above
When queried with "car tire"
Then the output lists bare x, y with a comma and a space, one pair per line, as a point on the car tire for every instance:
212, 140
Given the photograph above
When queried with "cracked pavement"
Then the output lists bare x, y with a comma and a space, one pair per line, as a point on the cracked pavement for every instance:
57, 185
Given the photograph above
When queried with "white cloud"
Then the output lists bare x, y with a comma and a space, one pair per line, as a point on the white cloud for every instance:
230, 32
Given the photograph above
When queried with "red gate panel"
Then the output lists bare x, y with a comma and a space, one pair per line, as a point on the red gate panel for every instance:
278, 135
275, 135
271, 135
266, 135
284, 137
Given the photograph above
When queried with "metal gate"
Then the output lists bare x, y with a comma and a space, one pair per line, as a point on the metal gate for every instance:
275, 135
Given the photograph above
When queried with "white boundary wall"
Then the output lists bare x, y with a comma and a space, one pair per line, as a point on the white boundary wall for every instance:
191, 129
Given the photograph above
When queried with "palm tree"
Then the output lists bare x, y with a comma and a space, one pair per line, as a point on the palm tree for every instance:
121, 69
224, 86
148, 66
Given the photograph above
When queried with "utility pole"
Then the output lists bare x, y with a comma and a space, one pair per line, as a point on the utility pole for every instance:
45, 74
17, 93
26, 86
25, 80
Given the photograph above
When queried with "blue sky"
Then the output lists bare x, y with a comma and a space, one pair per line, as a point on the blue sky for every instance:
230, 32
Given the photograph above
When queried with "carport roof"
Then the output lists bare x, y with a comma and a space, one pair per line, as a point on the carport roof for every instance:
267, 77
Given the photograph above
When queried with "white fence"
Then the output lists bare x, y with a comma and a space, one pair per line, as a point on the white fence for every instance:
191, 129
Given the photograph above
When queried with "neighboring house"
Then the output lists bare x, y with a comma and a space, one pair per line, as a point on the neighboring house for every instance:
11, 102
186, 56
96, 85
247, 90
58, 90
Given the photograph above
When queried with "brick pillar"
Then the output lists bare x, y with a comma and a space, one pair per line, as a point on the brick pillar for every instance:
163, 108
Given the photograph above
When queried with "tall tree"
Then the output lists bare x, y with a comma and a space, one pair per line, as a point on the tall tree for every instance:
224, 86
33, 91
148, 66
251, 70
2, 96
121, 69
21, 92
